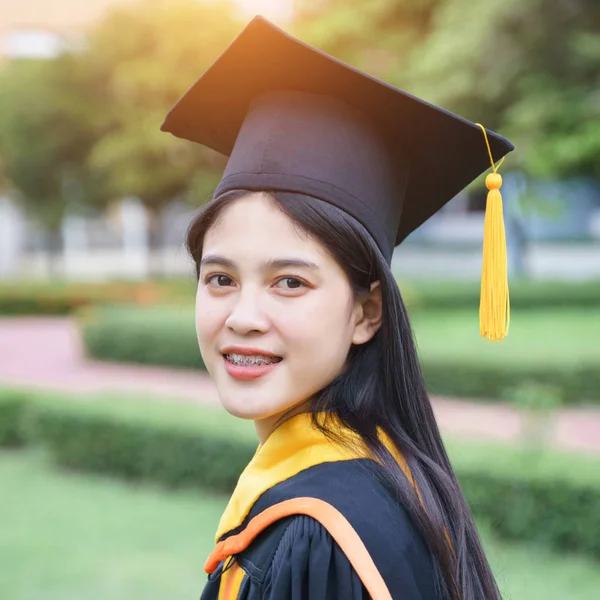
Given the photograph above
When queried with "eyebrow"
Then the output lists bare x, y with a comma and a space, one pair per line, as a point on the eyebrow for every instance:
270, 265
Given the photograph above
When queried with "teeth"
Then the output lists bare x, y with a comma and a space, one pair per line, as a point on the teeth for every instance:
246, 360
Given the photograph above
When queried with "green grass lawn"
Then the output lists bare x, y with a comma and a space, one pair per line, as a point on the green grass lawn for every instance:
71, 537
68, 536
545, 337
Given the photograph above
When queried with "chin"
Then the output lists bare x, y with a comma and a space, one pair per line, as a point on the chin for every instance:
245, 407
241, 413
242, 408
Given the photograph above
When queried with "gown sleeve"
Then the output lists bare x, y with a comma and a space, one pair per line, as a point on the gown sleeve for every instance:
309, 565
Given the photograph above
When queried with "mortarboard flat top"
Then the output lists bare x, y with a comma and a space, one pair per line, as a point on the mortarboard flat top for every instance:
445, 152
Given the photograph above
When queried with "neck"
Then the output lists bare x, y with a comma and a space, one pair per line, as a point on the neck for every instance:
265, 427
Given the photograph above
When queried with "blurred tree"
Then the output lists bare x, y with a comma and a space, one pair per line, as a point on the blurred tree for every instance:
143, 58
47, 129
555, 117
4, 183
528, 68
378, 36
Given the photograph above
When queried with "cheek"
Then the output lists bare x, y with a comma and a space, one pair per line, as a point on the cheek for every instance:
209, 319
319, 336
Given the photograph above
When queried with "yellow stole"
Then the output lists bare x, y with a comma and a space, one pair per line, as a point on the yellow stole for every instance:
294, 446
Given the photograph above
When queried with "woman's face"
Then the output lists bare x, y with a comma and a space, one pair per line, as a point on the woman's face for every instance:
267, 288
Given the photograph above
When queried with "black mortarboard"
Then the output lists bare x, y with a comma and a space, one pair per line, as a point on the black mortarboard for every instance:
292, 118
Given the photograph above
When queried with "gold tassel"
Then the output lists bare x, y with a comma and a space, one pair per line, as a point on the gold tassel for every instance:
494, 305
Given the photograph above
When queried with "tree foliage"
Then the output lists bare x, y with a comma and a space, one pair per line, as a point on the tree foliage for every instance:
144, 57
528, 68
85, 127
47, 131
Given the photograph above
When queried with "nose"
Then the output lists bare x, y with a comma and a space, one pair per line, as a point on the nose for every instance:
246, 315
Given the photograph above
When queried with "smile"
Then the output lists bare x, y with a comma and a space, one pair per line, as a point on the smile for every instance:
249, 367
245, 360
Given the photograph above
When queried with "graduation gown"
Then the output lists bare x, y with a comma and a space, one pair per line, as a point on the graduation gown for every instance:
295, 556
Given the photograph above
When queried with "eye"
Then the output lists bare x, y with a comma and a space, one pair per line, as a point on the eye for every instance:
222, 280
294, 281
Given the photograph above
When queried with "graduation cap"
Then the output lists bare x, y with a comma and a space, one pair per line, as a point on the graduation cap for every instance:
293, 118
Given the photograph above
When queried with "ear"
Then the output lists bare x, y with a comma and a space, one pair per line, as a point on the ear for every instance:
369, 315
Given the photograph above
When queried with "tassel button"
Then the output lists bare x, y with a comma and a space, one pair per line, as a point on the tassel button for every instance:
493, 181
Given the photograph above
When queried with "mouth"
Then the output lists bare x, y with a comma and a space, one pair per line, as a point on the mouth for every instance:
241, 366
251, 361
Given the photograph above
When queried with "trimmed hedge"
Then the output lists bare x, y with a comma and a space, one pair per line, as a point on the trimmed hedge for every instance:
132, 438
166, 337
548, 497
65, 298
574, 384
524, 295
557, 513
13, 404
161, 336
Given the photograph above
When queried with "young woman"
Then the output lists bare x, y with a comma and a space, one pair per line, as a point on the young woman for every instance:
301, 325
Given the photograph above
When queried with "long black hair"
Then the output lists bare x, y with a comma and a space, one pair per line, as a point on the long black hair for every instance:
382, 388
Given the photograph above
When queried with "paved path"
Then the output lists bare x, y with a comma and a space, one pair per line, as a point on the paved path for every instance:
47, 353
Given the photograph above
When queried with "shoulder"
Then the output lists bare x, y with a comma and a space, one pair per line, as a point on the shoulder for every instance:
300, 559
301, 547
352, 488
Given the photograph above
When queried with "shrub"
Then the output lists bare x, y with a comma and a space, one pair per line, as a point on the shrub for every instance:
548, 497
524, 295
573, 383
13, 403
156, 336
175, 445
65, 298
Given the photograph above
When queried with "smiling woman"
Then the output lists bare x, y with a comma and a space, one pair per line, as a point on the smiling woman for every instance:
278, 292
301, 326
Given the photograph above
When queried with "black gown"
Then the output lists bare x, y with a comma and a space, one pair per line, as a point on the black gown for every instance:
296, 558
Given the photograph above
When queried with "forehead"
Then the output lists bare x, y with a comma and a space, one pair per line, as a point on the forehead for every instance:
254, 225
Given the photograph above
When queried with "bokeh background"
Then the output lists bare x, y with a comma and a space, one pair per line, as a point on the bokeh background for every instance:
115, 459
